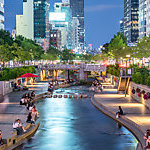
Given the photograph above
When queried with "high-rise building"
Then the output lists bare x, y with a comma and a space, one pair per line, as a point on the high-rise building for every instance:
77, 7
2, 14
122, 26
24, 23
131, 20
142, 18
41, 22
148, 18
61, 20
41, 18
55, 39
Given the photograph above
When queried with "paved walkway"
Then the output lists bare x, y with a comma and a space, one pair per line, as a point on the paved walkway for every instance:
10, 110
137, 116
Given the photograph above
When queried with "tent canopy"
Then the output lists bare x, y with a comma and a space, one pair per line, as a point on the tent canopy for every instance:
28, 75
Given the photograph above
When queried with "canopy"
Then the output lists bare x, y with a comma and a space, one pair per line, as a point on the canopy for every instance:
28, 75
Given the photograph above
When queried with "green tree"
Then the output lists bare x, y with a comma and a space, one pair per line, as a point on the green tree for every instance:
67, 55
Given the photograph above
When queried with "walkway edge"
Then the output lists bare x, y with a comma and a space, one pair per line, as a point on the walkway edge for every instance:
130, 125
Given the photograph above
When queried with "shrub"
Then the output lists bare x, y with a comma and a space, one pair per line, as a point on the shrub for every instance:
137, 78
148, 81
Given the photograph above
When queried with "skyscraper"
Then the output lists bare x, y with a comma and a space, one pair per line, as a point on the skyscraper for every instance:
131, 20
142, 18
24, 23
41, 19
77, 7
1, 14
148, 18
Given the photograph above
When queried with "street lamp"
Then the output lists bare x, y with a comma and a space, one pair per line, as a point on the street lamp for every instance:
127, 56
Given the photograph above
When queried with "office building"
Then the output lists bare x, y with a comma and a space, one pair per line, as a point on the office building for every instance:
41, 22
77, 7
55, 39
2, 14
122, 26
131, 20
148, 17
25, 22
142, 18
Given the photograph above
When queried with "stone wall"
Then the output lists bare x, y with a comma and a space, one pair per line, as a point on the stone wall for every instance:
136, 97
6, 87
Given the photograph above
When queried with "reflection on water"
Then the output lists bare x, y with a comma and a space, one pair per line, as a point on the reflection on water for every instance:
73, 124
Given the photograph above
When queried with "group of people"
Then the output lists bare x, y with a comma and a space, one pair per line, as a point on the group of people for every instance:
96, 86
27, 98
33, 114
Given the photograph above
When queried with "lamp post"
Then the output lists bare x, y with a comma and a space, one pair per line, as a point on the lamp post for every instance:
127, 56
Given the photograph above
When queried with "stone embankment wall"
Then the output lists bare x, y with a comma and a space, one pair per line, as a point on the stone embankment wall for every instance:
136, 97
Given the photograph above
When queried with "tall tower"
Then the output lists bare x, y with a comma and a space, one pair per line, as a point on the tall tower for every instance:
77, 7
131, 20
142, 18
24, 23
1, 14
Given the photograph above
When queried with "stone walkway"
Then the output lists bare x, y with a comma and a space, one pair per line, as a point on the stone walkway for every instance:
136, 118
10, 110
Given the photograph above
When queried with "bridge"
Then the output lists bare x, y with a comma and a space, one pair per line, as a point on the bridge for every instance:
82, 68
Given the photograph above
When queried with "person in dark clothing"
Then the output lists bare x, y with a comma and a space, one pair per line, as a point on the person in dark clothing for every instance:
29, 118
120, 110
1, 140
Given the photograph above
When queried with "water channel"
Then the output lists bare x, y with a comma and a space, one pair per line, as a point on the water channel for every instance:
73, 124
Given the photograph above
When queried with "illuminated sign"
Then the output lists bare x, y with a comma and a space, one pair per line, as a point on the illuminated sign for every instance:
57, 16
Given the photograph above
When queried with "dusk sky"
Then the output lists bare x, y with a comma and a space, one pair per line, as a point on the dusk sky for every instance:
101, 18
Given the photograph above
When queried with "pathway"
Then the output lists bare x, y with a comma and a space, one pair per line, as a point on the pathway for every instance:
136, 118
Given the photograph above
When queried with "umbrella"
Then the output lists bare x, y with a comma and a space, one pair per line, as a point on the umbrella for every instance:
28, 75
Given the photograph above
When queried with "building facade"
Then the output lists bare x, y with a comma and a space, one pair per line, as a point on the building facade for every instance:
25, 22
55, 39
142, 18
122, 26
148, 18
41, 22
131, 20
2, 14
77, 7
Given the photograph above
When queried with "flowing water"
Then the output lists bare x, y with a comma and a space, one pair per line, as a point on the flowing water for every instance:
75, 124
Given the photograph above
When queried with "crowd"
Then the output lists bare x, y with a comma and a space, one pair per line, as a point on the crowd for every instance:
147, 138
97, 86
27, 100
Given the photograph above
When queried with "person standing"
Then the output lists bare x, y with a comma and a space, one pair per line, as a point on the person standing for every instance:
1, 140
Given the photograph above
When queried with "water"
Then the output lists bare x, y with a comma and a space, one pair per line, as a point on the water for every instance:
77, 125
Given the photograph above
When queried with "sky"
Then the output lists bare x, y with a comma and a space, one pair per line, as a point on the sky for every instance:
102, 18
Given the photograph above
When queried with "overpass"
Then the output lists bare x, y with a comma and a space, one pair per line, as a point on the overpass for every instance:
82, 68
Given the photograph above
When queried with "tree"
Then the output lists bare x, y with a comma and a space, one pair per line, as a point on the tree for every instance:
118, 47
5, 53
67, 55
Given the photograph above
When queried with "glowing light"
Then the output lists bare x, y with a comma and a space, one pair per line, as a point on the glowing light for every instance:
57, 16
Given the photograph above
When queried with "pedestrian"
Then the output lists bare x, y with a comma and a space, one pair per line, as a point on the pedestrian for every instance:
1, 140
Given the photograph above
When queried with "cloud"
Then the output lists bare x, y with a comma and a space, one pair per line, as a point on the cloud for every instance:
96, 8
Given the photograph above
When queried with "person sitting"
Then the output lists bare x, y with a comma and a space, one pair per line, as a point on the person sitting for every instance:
33, 94
22, 101
18, 126
147, 138
120, 112
1, 140
29, 118
35, 113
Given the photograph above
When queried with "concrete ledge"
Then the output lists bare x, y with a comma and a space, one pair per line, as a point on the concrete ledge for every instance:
130, 125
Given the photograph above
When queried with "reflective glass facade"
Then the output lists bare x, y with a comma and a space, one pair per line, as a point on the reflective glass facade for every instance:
41, 18
1, 14
142, 18
131, 20
77, 7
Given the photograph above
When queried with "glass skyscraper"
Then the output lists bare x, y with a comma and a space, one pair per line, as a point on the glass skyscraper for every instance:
41, 18
1, 14
77, 7
131, 20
